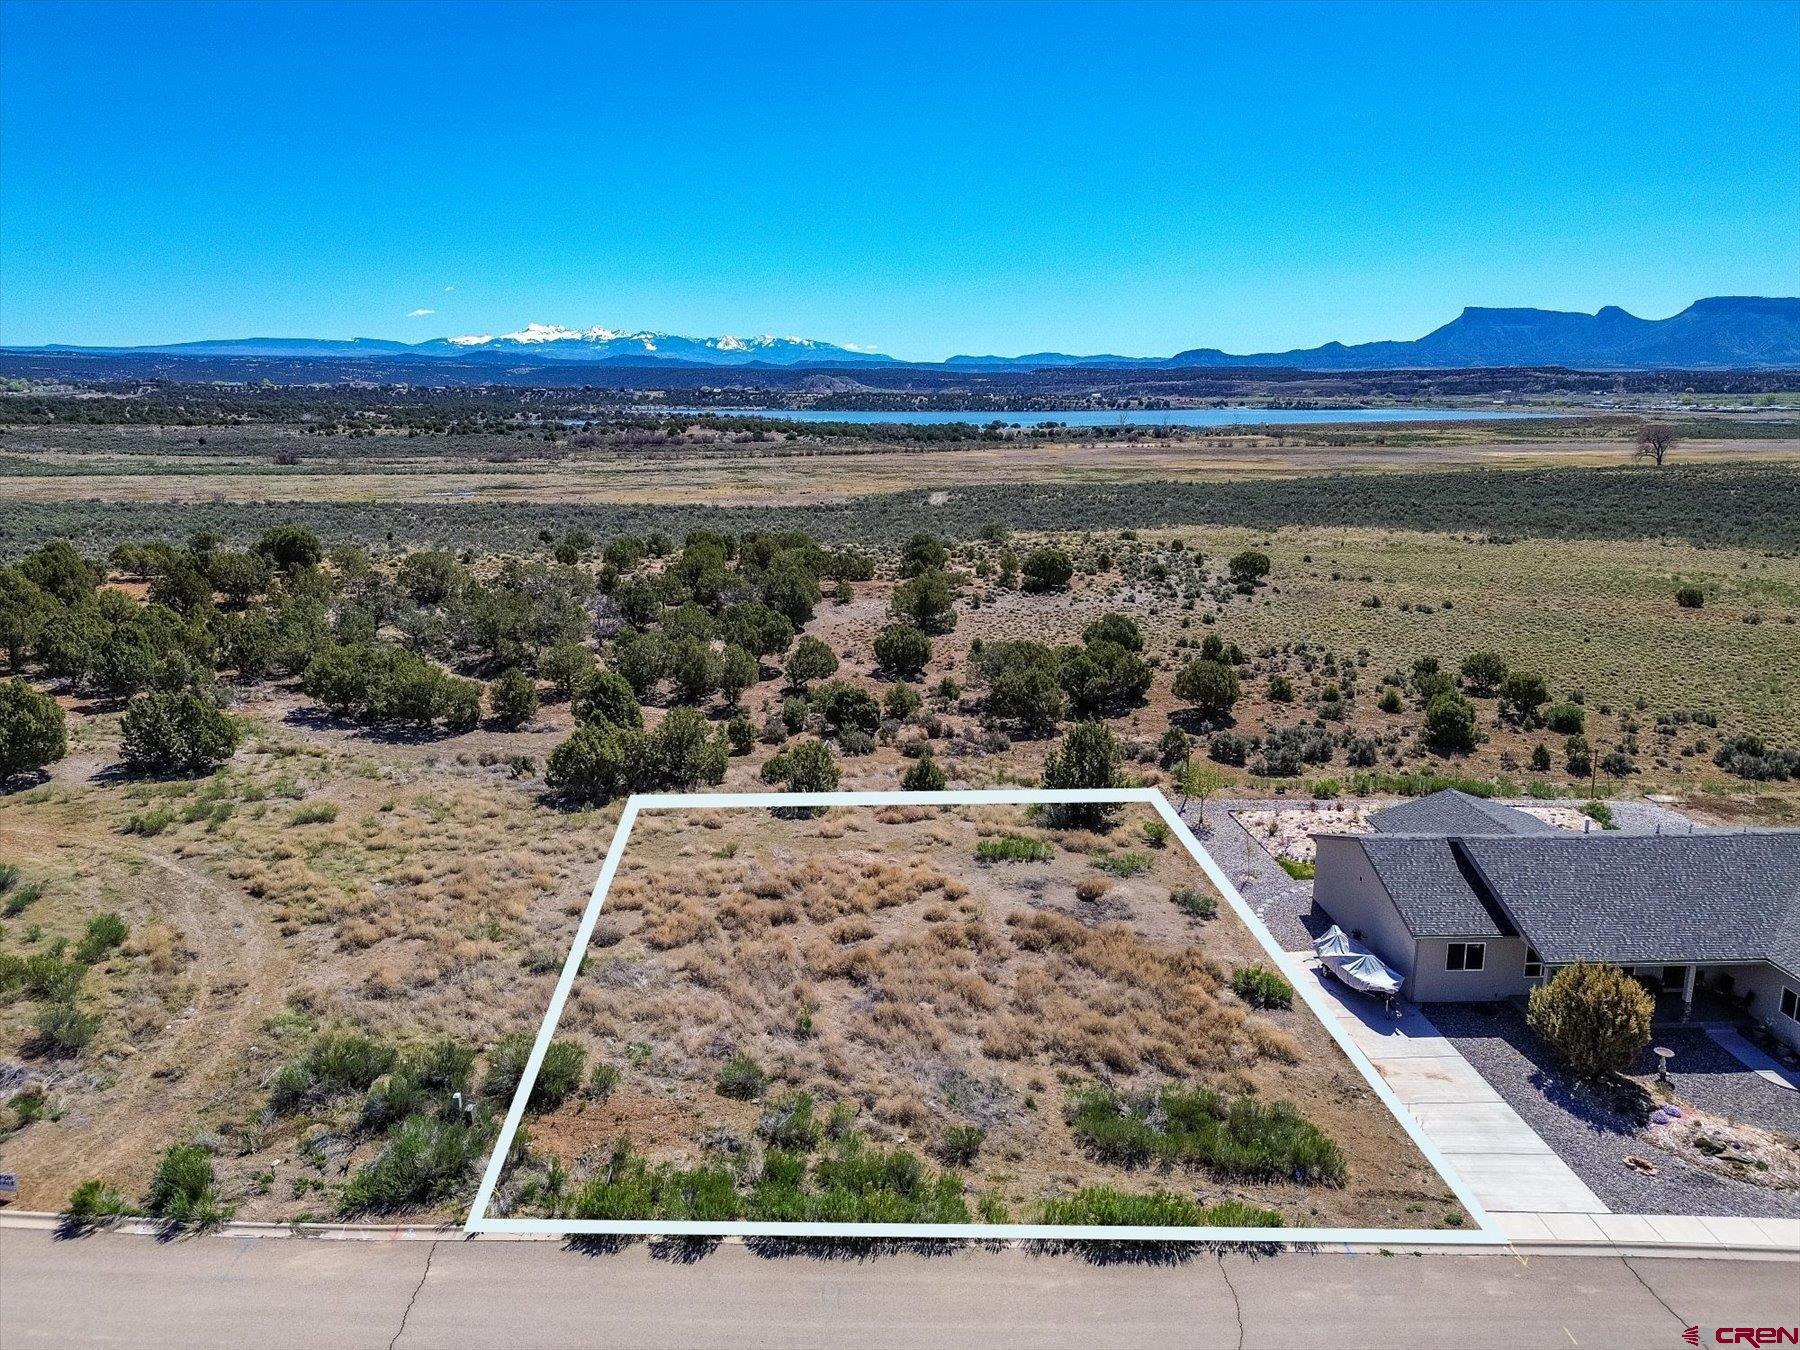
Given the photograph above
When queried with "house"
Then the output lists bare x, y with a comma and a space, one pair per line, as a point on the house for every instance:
1470, 900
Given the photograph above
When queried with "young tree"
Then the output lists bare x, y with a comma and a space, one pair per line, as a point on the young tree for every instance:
805, 766
1115, 628
927, 602
1522, 693
514, 698
290, 548
1088, 757
1198, 780
594, 765
33, 730
810, 660
1654, 441
1248, 568
922, 553
1047, 569
1482, 672
1450, 724
606, 696
924, 775
176, 733
737, 671
682, 754
1210, 686
1595, 1018
902, 650
566, 664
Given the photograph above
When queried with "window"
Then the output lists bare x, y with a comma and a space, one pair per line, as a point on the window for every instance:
1534, 964
1790, 1004
1467, 956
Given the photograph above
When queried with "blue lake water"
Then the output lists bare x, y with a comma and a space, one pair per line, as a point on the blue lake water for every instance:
1132, 417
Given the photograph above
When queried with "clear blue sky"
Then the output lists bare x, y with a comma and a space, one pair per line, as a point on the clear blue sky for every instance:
925, 179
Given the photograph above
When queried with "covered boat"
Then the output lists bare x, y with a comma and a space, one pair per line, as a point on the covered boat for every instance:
1355, 964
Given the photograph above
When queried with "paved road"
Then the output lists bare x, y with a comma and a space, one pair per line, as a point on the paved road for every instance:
242, 1292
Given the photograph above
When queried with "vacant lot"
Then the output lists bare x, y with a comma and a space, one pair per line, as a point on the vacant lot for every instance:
994, 995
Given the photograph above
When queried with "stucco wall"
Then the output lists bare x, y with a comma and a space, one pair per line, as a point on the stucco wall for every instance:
1768, 983
1502, 976
1346, 887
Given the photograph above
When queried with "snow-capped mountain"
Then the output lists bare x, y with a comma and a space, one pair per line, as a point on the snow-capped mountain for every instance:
551, 341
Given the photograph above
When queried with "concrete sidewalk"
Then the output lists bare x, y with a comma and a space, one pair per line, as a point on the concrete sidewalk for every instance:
1533, 1195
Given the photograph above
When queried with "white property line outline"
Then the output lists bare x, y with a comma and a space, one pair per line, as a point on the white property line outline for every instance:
1484, 1233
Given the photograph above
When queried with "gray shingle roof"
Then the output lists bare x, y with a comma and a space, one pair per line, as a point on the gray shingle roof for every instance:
1628, 899
1453, 812
1649, 898
1431, 888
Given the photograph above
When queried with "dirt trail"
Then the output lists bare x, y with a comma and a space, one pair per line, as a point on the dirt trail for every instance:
238, 975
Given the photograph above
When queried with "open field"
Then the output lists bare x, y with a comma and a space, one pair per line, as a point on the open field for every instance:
954, 985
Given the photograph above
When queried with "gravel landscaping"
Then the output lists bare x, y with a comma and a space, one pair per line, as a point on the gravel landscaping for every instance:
1284, 904
1595, 1140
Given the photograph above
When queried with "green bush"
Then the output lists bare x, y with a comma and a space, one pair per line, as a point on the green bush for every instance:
181, 1189
789, 1123
559, 1076
338, 1061
33, 729
902, 650
923, 775
95, 1202
1195, 902
1210, 686
1595, 1018
1102, 1206
1242, 1139
1126, 864
1449, 724
63, 1029
1046, 569
425, 1159
180, 732
742, 1078
1261, 987
961, 1143
42, 975
1565, 719
1690, 597
1012, 848
104, 933
1298, 869
514, 698
314, 813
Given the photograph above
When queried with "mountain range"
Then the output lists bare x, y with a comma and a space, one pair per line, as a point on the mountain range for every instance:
1724, 332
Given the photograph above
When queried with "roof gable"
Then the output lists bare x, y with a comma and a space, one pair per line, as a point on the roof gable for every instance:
1451, 812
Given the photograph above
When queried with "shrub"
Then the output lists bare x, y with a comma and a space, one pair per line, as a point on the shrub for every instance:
1103, 1206
594, 765
63, 1029
1522, 694
1595, 1018
425, 1159
1126, 864
33, 729
1194, 902
1261, 987
1088, 757
789, 1123
104, 932
927, 602
1242, 1139
290, 548
514, 698
1300, 870
1690, 597
845, 706
1228, 747
606, 696
566, 664
902, 650
742, 1079
177, 732
1578, 756
1565, 719
1390, 701
805, 766
1012, 848
1449, 724
95, 1202
506, 1066
559, 1076
337, 1061
1600, 813
316, 813
1248, 568
961, 1143
181, 1189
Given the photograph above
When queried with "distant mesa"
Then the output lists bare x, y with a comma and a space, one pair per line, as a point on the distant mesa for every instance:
1724, 332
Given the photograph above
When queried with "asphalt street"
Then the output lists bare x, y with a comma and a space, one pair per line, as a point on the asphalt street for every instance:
107, 1290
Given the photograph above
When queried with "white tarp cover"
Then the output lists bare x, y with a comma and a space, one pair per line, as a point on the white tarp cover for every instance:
1354, 964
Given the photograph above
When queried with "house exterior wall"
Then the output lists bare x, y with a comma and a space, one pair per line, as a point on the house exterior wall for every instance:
1346, 888
1767, 982
1502, 975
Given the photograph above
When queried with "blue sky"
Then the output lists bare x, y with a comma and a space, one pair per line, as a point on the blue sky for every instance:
924, 179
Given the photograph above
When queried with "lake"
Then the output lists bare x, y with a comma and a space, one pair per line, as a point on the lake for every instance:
1133, 417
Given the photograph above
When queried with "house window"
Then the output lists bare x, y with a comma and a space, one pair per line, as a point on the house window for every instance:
1790, 1004
1467, 956
1534, 964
